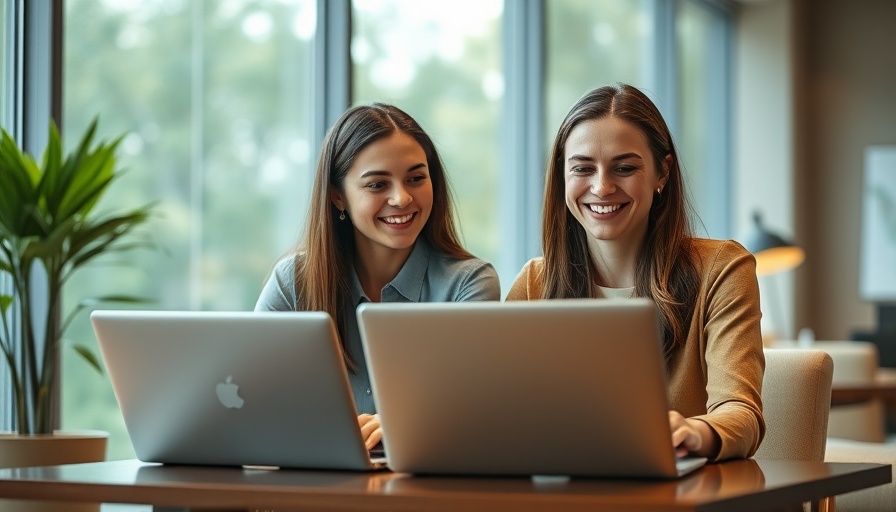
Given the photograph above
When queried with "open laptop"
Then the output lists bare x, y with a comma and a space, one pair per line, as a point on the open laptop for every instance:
233, 388
553, 387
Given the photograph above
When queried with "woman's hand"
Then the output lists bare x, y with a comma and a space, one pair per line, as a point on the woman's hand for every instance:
370, 429
690, 436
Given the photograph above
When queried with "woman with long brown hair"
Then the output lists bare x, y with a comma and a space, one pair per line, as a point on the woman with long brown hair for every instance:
616, 226
379, 228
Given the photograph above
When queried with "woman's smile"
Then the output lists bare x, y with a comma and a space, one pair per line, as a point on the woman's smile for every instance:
399, 221
603, 210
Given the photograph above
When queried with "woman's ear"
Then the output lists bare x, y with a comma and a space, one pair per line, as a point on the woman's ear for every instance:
665, 168
337, 199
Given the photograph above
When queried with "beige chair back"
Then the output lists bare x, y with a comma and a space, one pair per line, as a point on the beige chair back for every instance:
796, 398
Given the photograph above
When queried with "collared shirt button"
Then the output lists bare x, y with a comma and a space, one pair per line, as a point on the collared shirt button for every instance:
368, 391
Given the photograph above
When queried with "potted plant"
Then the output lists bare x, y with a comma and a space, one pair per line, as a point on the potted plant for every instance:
49, 228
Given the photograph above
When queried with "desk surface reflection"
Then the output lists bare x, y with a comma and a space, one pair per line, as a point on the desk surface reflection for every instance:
736, 485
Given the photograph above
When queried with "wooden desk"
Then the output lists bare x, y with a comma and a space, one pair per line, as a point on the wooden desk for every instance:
884, 388
732, 486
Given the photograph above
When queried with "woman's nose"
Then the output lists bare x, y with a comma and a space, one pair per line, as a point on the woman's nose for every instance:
400, 198
602, 184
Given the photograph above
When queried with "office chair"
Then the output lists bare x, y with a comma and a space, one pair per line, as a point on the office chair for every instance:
796, 399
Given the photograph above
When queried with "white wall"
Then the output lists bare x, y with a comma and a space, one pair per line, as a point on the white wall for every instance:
764, 158
815, 83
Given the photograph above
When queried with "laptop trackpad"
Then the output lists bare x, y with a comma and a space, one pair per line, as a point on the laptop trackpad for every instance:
687, 464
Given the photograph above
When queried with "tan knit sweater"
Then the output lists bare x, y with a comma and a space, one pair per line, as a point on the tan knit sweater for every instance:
716, 376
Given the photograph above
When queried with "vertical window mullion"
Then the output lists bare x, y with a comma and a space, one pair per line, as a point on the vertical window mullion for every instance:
9, 121
331, 67
42, 77
34, 45
662, 61
11, 113
712, 21
522, 136
719, 151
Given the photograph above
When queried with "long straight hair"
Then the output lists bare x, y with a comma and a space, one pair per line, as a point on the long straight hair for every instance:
326, 251
666, 269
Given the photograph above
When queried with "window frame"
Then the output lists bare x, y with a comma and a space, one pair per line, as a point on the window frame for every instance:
33, 91
523, 155
717, 201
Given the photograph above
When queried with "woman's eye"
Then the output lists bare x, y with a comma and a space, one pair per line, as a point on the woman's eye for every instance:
416, 179
580, 170
626, 169
377, 185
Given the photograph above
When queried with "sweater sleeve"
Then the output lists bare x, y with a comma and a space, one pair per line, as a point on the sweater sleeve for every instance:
528, 283
734, 359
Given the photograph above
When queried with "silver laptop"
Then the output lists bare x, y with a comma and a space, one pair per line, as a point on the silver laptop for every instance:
554, 387
232, 388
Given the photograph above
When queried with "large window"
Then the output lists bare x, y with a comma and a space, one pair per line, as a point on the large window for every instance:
403, 51
214, 99
610, 38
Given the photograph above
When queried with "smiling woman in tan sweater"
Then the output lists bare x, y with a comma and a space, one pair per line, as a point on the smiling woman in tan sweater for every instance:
616, 225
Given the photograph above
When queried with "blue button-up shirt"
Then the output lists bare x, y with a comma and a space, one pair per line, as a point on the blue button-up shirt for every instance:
427, 276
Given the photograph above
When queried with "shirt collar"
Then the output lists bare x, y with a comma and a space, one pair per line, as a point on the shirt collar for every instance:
409, 281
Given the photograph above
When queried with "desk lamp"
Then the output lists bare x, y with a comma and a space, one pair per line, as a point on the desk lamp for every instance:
773, 255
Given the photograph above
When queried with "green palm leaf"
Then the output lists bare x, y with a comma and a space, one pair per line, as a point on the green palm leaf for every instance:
47, 219
88, 355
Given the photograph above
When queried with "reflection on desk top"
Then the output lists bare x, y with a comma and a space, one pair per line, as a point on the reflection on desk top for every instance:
742, 484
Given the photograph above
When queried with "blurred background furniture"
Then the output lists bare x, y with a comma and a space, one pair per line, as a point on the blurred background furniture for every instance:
884, 334
855, 367
861, 390
856, 422
796, 398
857, 431
877, 499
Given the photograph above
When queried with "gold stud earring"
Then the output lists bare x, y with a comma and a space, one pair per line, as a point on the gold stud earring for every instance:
341, 214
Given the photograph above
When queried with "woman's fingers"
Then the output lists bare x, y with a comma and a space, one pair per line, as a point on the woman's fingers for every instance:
370, 429
685, 437
374, 439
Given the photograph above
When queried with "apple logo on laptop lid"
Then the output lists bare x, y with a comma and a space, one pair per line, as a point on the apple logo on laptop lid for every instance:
228, 394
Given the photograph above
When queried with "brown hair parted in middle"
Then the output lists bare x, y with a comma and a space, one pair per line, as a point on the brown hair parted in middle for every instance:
666, 269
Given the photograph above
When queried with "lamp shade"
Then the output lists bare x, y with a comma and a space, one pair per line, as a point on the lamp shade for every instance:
773, 253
